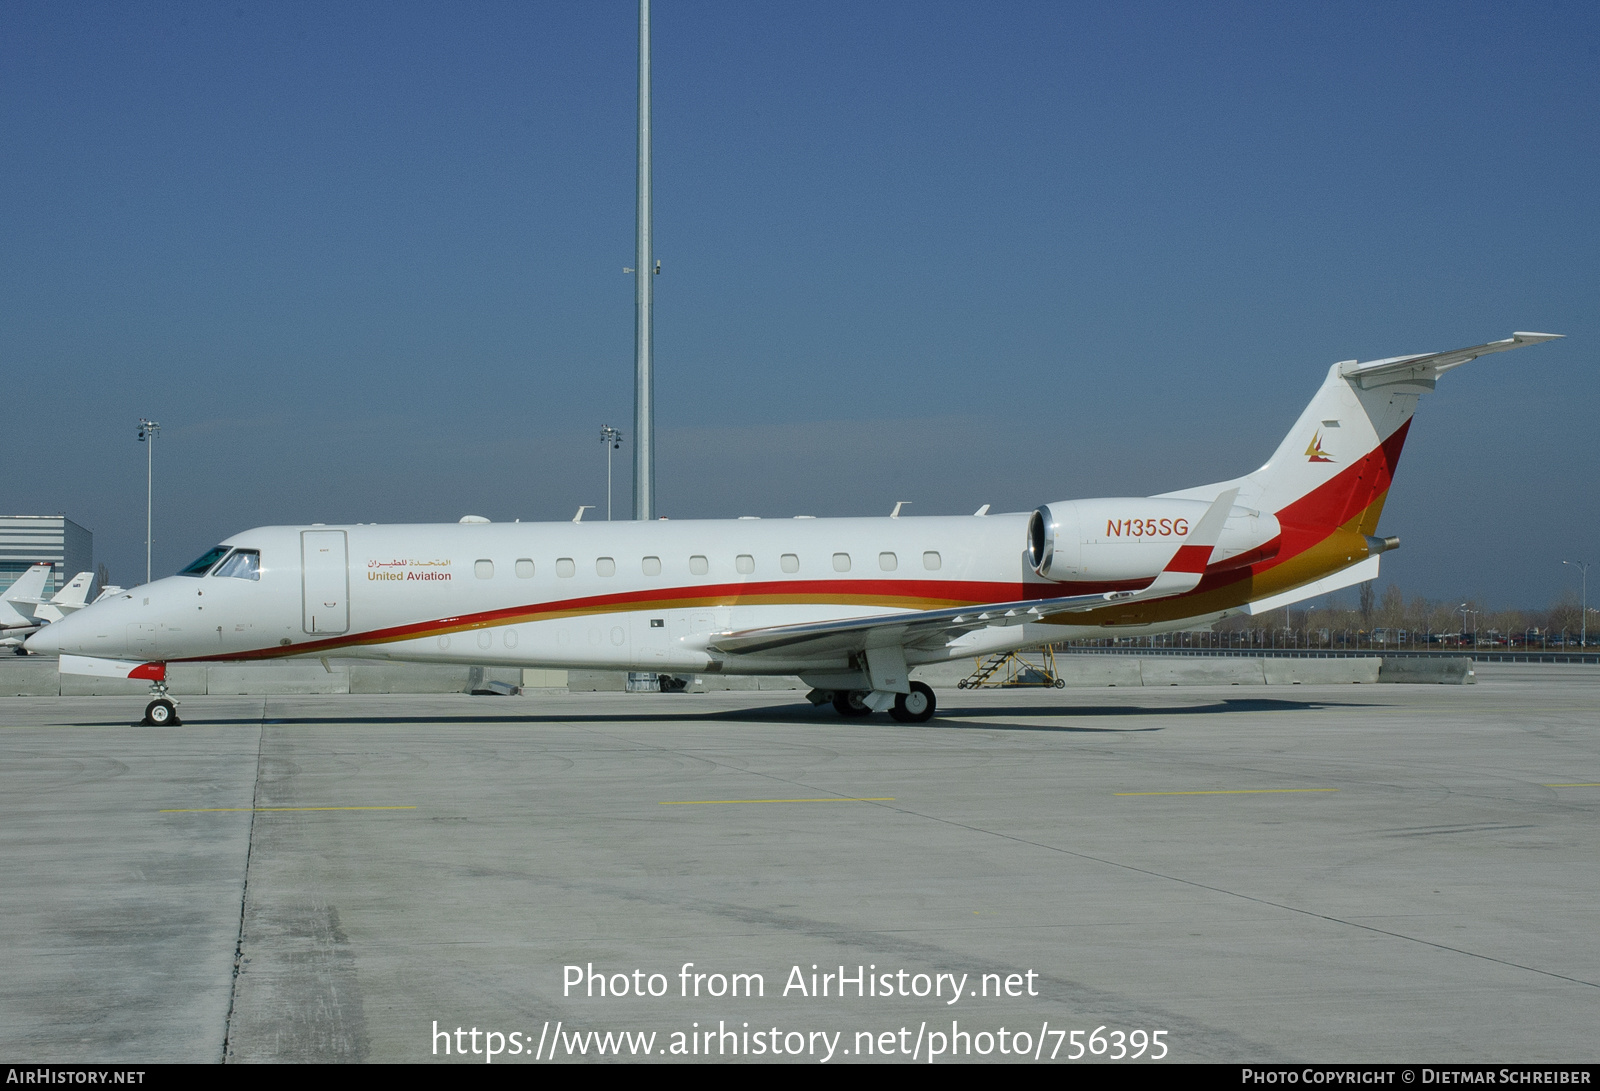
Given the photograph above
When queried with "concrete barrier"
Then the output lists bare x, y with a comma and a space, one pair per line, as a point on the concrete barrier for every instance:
1452, 670
28, 677
408, 677
1117, 670
543, 680
1320, 672
597, 681
277, 678
1186, 671
1098, 670
719, 683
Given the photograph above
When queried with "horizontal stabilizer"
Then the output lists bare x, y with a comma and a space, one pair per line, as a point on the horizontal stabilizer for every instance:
1360, 572
1433, 364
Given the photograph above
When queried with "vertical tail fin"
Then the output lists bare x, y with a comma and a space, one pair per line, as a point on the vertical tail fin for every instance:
74, 596
18, 604
1334, 467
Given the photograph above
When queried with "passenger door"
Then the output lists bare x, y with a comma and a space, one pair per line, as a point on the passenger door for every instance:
325, 581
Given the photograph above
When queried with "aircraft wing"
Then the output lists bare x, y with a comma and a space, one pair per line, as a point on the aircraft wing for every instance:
1431, 365
935, 628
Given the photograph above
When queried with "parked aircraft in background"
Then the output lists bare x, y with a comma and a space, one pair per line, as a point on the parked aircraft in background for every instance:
17, 606
849, 605
24, 599
74, 596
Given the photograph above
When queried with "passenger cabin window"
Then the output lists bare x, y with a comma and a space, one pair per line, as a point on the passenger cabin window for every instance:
744, 564
888, 562
524, 569
203, 565
242, 564
651, 566
605, 566
698, 565
565, 567
789, 562
841, 562
930, 561
484, 570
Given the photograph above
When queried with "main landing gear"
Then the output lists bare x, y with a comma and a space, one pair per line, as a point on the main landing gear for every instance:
848, 704
162, 711
916, 707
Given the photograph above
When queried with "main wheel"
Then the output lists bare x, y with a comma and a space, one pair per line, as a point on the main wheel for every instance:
848, 703
915, 707
161, 713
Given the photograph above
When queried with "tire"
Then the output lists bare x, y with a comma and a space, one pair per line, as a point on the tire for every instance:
847, 703
1061, 683
162, 713
916, 707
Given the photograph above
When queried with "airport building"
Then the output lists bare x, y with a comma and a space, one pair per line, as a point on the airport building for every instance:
26, 540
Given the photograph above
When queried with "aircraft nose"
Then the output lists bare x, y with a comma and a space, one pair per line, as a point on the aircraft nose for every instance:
72, 633
43, 642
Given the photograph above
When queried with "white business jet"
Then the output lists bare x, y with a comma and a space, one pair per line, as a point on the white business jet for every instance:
74, 596
24, 609
24, 599
849, 605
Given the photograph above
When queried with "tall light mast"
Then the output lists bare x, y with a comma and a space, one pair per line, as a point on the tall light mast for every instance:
148, 431
644, 271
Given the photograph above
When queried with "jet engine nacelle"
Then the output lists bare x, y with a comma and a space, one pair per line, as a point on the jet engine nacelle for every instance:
1122, 538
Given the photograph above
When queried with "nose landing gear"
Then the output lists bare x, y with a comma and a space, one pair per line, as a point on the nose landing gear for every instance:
162, 711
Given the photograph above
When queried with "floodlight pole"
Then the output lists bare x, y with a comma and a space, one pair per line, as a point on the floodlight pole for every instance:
148, 430
644, 271
1583, 567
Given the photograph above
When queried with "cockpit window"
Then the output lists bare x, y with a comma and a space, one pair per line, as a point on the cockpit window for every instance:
242, 564
201, 566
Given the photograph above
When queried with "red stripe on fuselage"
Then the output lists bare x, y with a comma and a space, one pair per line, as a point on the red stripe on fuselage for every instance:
909, 594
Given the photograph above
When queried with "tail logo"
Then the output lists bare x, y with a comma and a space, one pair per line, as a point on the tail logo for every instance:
1315, 453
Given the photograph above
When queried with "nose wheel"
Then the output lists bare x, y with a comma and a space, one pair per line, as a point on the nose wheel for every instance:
161, 711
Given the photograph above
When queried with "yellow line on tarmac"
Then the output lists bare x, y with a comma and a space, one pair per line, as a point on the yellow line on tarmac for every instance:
1228, 792
263, 810
1596, 785
830, 799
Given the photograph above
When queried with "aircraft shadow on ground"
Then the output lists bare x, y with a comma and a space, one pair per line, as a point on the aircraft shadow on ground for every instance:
975, 717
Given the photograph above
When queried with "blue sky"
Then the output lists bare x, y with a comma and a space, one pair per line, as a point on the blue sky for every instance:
364, 262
